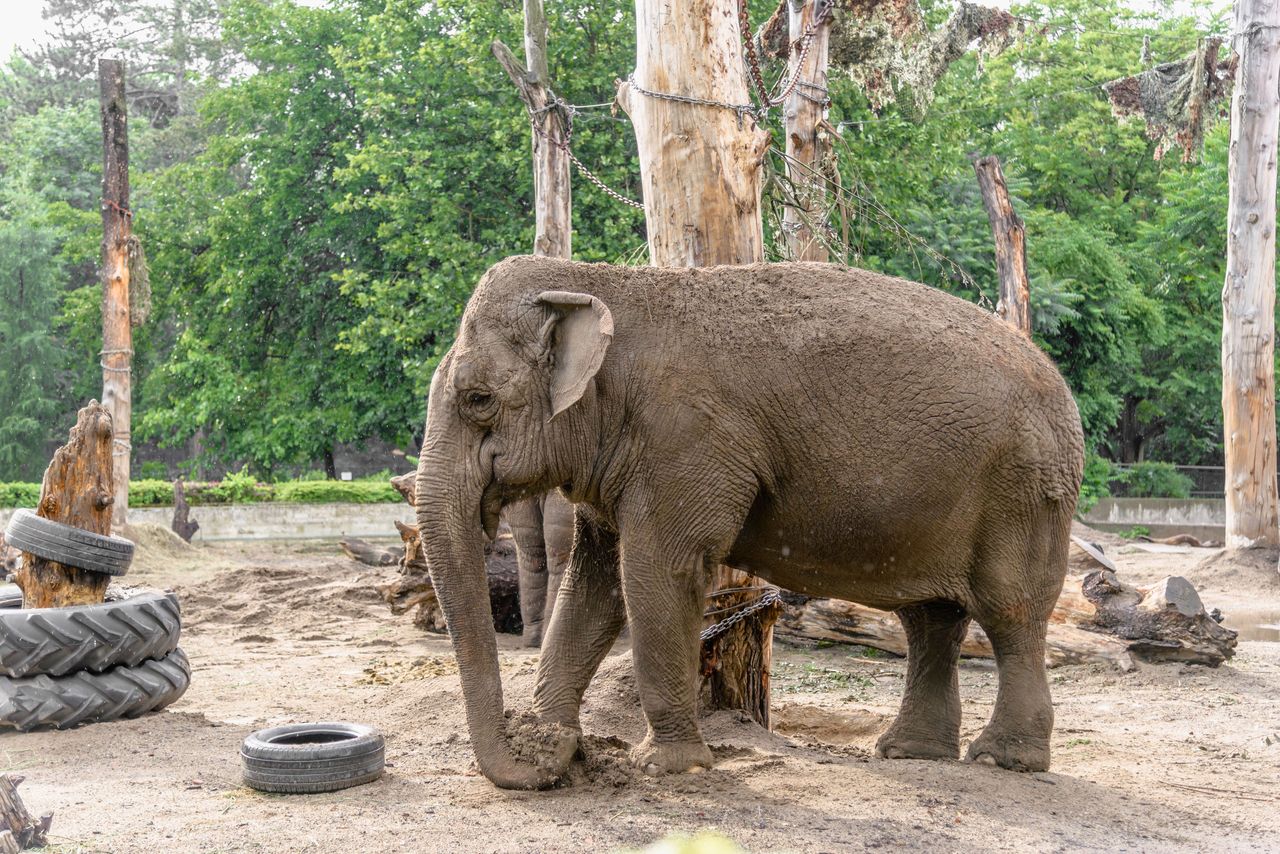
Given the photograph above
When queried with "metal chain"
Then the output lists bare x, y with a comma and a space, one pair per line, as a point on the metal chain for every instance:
770, 597
753, 58
740, 109
554, 102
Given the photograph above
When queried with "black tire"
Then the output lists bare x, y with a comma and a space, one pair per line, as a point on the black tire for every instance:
310, 758
60, 702
69, 545
10, 596
58, 641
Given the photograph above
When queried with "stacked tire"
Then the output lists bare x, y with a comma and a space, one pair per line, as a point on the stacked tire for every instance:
62, 667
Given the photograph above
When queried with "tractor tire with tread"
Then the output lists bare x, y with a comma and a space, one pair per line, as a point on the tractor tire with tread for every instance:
58, 641
60, 702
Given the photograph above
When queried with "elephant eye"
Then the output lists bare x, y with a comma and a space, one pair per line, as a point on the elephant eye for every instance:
479, 405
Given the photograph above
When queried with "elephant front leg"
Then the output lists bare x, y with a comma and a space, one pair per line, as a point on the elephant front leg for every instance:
664, 610
584, 625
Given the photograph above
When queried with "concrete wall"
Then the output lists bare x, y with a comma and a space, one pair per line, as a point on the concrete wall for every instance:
276, 521
1201, 517
1205, 518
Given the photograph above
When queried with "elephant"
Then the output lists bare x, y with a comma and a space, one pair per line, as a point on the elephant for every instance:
542, 528
834, 431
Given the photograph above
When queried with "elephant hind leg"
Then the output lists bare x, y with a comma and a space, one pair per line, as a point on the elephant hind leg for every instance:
928, 724
1014, 593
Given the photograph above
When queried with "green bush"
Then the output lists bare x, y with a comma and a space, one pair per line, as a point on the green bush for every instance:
150, 493
153, 470
1156, 480
19, 494
1099, 474
336, 491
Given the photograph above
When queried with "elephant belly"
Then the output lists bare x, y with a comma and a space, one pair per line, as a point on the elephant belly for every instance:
865, 556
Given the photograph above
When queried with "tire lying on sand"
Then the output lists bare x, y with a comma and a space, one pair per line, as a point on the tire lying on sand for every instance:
58, 641
59, 702
69, 545
310, 758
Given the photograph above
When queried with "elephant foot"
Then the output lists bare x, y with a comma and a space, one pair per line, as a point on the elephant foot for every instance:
904, 744
677, 757
1010, 750
531, 637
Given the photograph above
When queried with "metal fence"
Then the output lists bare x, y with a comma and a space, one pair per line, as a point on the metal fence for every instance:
1209, 481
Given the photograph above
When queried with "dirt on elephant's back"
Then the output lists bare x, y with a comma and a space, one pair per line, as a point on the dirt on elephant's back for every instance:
1168, 758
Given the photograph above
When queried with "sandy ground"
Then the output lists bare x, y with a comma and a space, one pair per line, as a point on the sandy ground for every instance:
1167, 758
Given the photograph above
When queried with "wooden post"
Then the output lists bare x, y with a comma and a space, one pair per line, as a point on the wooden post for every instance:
700, 167
808, 144
553, 236
77, 491
1249, 292
552, 192
1010, 240
117, 228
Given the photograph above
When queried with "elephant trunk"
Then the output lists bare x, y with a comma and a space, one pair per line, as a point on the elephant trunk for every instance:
449, 494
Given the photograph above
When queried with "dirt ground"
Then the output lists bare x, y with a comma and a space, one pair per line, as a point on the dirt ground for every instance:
1167, 758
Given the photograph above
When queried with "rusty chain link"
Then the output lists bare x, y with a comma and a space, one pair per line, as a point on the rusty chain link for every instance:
567, 111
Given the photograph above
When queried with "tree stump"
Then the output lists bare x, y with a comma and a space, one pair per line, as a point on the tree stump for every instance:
78, 490
183, 525
18, 830
413, 589
735, 665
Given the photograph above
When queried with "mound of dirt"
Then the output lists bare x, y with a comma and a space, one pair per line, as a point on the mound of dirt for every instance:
1255, 570
155, 547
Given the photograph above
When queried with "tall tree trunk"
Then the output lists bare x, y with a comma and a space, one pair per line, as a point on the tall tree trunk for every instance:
553, 236
700, 166
1249, 292
808, 144
330, 464
117, 228
1011, 247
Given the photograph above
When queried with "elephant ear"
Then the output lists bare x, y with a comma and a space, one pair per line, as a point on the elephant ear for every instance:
576, 335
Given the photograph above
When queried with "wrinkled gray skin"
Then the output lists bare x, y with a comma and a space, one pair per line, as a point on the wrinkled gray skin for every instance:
542, 528
837, 432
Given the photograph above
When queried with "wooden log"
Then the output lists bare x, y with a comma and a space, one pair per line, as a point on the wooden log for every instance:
1010, 242
1097, 619
1249, 289
368, 553
183, 525
117, 228
735, 666
413, 588
78, 491
16, 823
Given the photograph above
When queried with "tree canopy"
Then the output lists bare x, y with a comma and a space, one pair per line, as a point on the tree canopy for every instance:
318, 189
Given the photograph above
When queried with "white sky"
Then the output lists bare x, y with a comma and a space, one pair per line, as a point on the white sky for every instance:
21, 23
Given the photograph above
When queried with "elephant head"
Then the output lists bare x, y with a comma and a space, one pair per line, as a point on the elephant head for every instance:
506, 417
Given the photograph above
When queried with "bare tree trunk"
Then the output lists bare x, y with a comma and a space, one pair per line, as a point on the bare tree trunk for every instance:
1249, 292
117, 228
553, 236
700, 166
808, 144
552, 192
77, 491
1010, 241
